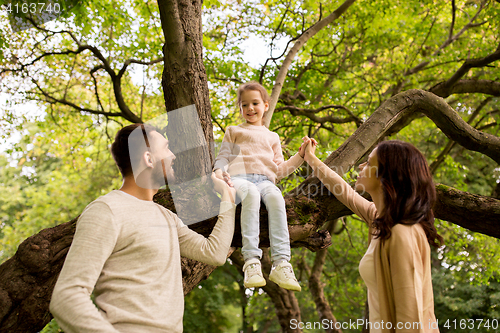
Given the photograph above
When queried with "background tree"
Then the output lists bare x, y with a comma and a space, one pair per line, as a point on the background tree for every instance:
363, 64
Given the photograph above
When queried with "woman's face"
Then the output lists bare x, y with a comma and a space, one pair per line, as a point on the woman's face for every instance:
368, 176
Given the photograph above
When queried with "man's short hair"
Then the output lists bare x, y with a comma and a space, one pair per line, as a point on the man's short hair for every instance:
124, 144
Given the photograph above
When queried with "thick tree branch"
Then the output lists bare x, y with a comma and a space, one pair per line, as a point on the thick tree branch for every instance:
474, 212
293, 52
400, 108
443, 89
450, 144
486, 87
383, 120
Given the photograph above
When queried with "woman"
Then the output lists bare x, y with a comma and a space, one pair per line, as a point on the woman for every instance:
397, 265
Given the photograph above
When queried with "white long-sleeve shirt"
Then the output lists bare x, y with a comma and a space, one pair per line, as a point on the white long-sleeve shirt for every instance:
128, 252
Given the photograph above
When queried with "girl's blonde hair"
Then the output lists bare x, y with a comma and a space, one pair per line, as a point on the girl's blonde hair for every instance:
253, 85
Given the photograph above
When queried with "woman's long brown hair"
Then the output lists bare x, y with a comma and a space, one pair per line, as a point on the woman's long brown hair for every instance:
409, 192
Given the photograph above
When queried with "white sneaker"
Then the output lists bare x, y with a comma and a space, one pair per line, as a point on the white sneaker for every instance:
253, 274
282, 274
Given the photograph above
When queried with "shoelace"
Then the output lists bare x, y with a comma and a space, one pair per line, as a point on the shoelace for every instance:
287, 270
253, 269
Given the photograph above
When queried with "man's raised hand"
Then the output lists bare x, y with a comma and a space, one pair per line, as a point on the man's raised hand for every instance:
227, 192
309, 148
223, 175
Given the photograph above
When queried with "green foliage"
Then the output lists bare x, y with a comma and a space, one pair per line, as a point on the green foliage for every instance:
460, 302
214, 306
57, 174
51, 327
356, 62
470, 257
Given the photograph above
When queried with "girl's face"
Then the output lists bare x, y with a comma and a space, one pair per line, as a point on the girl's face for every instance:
368, 176
253, 107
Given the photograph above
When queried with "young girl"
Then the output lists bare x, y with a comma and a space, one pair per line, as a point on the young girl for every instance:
251, 160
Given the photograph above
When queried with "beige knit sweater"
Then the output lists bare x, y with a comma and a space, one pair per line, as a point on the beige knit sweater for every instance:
128, 252
255, 149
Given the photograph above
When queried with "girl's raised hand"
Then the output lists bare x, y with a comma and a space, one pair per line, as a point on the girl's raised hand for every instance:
302, 149
309, 148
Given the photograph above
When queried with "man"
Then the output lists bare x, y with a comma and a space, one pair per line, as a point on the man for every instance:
127, 249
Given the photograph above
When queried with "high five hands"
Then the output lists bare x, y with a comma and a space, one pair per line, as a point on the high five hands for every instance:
308, 148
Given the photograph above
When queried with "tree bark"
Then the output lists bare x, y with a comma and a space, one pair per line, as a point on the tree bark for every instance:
395, 113
187, 100
316, 287
487, 87
444, 89
28, 278
474, 212
184, 79
450, 144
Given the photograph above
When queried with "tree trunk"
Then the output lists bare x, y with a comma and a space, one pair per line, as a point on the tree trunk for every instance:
184, 81
28, 278
285, 302
187, 100
316, 287
189, 130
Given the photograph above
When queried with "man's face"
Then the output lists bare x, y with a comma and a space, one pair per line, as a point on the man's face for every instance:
163, 159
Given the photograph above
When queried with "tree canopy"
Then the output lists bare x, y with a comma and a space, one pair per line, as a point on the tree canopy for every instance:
349, 74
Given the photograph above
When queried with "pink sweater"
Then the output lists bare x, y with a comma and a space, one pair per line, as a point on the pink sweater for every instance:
248, 149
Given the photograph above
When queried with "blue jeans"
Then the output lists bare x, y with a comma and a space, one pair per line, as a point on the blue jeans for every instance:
250, 188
